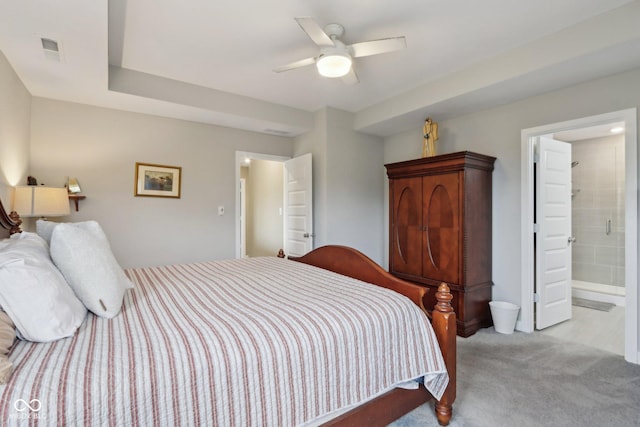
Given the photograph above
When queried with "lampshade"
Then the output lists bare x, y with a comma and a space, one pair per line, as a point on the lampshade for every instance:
335, 64
40, 201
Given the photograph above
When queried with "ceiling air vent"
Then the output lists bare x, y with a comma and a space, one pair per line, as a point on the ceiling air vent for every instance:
51, 49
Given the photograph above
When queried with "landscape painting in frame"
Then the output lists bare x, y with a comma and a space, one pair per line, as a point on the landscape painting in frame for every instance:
157, 180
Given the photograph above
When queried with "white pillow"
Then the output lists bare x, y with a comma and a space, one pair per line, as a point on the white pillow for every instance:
32, 245
85, 259
44, 229
35, 295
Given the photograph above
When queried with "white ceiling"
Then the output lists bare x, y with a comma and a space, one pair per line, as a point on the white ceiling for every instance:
212, 61
587, 133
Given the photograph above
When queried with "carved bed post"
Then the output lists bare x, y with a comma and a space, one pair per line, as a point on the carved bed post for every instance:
9, 221
444, 325
17, 222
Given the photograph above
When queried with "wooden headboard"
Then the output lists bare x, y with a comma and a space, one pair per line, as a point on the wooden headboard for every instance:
10, 222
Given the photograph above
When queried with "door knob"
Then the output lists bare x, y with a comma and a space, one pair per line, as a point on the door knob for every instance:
571, 240
307, 235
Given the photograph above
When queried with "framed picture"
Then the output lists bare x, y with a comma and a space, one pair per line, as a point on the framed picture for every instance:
157, 180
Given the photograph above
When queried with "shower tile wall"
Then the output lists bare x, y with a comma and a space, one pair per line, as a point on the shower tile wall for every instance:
598, 196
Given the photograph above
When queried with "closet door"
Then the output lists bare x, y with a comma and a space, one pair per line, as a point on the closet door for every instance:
406, 226
441, 219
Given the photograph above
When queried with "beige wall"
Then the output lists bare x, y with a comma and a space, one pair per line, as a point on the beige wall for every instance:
15, 106
264, 187
101, 146
347, 183
355, 203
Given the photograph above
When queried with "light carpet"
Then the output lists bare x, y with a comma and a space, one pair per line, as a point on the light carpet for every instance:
533, 380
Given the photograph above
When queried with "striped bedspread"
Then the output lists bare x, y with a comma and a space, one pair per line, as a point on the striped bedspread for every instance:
254, 342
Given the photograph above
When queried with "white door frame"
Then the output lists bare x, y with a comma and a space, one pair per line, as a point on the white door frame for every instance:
241, 156
526, 321
243, 218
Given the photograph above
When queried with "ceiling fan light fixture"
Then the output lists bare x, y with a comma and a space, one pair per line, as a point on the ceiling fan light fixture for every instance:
335, 64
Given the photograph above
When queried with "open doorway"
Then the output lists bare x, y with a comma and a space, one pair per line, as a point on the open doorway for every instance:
596, 286
259, 180
529, 139
274, 204
598, 212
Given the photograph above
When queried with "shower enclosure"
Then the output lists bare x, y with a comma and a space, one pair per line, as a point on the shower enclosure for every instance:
598, 215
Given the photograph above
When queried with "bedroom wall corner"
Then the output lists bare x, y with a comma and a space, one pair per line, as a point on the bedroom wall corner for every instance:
15, 122
355, 200
100, 147
315, 141
497, 132
347, 182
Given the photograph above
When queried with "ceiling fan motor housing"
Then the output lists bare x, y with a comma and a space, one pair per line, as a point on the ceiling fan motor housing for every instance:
335, 31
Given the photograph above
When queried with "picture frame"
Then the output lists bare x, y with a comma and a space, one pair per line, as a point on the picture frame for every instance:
157, 180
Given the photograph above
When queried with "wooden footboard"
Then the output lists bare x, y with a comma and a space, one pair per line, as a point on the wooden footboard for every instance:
394, 404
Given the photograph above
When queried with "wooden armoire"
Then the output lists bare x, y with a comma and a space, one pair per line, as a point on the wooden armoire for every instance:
440, 230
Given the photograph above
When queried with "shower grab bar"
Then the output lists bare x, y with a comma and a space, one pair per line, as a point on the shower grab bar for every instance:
607, 226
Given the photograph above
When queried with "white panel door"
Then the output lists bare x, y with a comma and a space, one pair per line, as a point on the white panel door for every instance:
553, 236
298, 206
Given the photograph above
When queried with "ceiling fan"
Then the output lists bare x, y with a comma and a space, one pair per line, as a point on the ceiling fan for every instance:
335, 59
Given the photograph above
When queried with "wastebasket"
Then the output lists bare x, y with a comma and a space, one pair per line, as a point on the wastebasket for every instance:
504, 316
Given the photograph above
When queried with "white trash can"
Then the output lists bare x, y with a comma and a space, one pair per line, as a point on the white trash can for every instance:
504, 316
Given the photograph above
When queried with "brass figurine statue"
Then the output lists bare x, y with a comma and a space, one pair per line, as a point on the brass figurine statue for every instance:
430, 132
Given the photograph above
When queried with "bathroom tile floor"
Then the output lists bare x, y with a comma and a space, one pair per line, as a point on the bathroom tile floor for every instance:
599, 329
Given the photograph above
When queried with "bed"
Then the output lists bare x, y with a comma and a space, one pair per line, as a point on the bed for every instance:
262, 341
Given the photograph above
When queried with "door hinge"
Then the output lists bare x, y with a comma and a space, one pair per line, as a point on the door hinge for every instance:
535, 228
536, 297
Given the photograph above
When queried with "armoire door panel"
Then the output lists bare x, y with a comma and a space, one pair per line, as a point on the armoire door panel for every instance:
440, 230
442, 227
406, 228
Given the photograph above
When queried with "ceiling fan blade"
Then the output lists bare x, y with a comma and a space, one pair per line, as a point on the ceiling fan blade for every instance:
351, 78
375, 47
297, 64
314, 31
